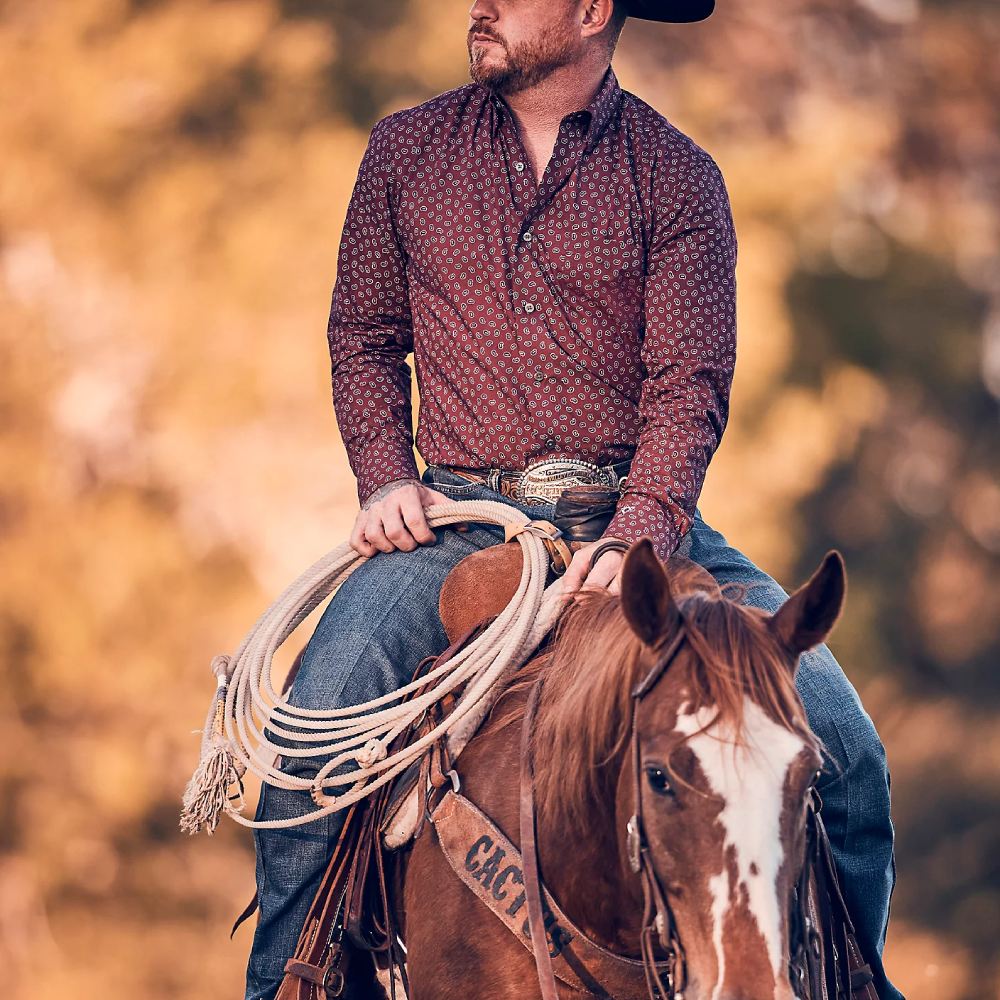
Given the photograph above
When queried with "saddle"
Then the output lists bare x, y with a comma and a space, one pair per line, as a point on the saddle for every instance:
482, 584
352, 911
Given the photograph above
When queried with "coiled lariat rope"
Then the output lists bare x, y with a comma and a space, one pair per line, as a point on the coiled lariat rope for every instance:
355, 739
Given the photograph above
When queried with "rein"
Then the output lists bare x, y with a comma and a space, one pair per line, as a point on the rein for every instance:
664, 977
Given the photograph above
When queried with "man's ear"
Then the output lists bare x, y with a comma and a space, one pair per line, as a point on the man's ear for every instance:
807, 617
647, 602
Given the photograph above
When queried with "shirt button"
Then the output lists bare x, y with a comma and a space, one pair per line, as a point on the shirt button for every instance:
539, 377
551, 443
529, 307
528, 237
519, 166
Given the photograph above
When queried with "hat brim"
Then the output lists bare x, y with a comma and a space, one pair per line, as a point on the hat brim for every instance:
674, 11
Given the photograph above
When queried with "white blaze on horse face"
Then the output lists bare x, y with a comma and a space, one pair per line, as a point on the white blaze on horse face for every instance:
750, 779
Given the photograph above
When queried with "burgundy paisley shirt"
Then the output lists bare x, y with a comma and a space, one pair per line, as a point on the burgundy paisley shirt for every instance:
590, 316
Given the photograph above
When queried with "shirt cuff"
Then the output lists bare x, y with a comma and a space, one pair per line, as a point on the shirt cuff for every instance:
384, 460
638, 515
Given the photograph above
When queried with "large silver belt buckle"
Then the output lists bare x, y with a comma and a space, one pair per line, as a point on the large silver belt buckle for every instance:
544, 481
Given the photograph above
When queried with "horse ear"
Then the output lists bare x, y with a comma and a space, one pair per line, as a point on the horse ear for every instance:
647, 602
807, 617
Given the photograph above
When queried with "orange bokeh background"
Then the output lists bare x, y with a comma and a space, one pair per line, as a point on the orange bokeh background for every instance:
175, 176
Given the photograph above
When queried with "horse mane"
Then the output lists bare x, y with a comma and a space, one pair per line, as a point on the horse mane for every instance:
593, 662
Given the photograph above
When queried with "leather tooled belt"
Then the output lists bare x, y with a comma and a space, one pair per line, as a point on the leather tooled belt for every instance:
545, 481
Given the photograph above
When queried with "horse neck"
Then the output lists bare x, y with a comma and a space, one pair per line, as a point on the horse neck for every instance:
585, 866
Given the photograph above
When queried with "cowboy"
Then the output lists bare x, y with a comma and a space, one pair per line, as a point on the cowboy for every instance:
560, 259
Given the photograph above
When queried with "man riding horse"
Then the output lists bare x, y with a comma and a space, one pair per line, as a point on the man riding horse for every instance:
560, 259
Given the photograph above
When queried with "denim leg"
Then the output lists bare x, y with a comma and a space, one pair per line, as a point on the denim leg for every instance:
371, 636
855, 783
379, 625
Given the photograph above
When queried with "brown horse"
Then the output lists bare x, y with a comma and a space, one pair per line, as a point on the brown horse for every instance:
727, 760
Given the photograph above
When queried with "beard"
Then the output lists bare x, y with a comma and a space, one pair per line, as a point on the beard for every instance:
508, 69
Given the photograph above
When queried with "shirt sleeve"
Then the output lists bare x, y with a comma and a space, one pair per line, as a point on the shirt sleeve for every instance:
370, 332
689, 352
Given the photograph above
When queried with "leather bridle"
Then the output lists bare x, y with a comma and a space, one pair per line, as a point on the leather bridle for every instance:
664, 977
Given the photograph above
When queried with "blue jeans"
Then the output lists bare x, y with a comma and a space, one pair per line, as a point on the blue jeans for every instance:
384, 620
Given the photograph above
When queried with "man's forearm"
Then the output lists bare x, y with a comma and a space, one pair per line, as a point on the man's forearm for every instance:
371, 399
639, 514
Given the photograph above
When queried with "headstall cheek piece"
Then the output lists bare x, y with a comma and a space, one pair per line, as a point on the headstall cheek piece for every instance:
657, 917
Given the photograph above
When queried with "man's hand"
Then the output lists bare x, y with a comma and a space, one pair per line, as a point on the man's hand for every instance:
393, 518
605, 573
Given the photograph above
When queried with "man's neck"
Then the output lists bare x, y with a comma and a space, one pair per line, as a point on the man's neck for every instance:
540, 108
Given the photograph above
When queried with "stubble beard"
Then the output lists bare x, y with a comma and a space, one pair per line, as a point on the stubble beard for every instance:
522, 66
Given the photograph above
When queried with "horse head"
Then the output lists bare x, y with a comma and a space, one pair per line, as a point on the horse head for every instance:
722, 760
726, 760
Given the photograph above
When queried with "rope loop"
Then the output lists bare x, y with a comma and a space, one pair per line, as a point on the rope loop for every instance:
350, 743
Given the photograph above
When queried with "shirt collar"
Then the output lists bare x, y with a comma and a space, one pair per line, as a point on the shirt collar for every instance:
593, 119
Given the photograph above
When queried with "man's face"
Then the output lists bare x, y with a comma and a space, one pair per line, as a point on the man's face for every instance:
528, 40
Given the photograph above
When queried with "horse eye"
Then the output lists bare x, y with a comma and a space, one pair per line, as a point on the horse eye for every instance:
658, 781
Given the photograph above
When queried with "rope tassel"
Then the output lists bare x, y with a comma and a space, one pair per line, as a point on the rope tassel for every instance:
206, 795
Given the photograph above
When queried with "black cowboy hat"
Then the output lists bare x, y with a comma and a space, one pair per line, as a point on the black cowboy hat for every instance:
669, 10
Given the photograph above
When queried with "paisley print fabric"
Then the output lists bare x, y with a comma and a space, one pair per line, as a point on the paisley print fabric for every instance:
588, 315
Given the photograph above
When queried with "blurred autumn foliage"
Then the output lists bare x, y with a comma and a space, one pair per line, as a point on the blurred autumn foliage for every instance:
175, 175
